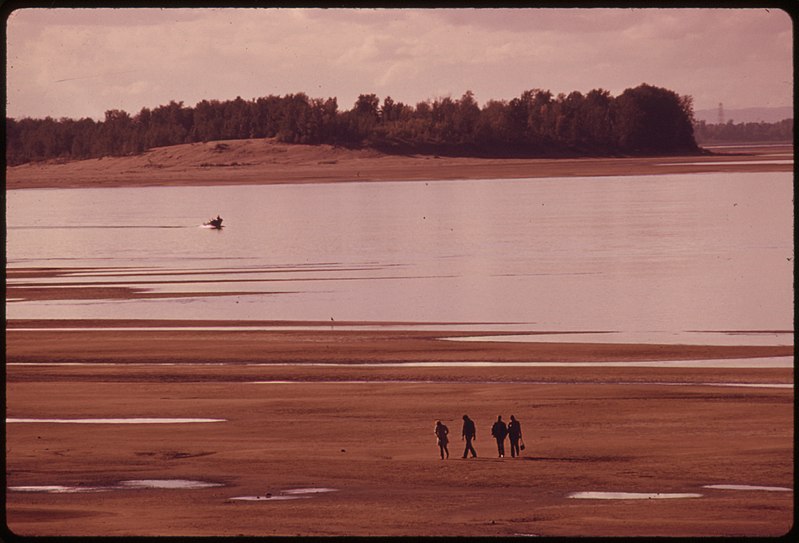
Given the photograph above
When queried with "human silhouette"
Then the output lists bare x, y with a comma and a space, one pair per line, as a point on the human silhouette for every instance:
499, 431
469, 433
441, 432
514, 435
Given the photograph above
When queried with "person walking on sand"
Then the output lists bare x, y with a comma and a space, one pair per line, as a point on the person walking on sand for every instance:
469, 433
441, 433
499, 431
514, 435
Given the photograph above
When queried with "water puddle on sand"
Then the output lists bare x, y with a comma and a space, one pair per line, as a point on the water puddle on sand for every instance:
114, 421
267, 498
301, 491
327, 326
349, 382
654, 337
750, 487
750, 385
291, 494
177, 484
726, 163
167, 483
58, 489
483, 382
750, 363
630, 495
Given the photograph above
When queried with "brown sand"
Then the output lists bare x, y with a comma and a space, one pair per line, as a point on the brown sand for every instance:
266, 161
333, 346
586, 429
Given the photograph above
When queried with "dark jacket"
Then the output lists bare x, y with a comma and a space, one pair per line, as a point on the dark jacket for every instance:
468, 428
514, 429
441, 434
499, 430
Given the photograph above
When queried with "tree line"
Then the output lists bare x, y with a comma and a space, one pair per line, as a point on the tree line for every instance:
731, 132
641, 120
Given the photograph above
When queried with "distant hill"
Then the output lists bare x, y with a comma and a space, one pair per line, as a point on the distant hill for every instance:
745, 115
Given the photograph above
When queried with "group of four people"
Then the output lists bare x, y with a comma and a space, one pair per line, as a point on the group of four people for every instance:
513, 431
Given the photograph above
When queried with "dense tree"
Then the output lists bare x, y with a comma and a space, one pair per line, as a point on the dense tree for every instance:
466, 118
649, 119
642, 120
208, 121
361, 121
595, 120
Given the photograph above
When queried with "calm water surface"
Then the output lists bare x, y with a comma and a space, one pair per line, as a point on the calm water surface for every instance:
666, 253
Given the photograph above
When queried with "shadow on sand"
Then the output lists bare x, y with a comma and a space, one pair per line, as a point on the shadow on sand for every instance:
577, 458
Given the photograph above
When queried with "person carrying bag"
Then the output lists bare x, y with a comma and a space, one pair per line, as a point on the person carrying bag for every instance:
515, 435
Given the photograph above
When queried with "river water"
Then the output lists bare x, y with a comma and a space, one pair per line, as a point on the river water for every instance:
666, 254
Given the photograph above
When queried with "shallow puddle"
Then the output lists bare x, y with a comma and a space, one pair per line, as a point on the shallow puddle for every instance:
301, 491
643, 338
763, 362
766, 362
750, 487
268, 498
352, 382
290, 494
630, 495
504, 383
179, 484
427, 327
750, 385
167, 483
114, 421
727, 163
58, 489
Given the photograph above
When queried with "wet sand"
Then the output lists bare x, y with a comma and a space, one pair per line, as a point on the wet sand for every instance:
292, 422
328, 345
268, 162
367, 432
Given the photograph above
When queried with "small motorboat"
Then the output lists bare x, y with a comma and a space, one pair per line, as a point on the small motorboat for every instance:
214, 223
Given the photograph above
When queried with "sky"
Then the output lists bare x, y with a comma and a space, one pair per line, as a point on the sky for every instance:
82, 62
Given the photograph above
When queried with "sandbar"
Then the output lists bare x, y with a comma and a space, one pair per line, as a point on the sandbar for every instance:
352, 422
265, 161
367, 432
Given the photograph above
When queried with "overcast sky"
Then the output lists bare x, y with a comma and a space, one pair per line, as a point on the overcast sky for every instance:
83, 62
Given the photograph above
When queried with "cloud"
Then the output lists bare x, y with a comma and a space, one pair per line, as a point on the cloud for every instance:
82, 62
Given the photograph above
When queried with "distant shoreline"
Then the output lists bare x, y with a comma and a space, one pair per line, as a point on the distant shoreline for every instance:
264, 161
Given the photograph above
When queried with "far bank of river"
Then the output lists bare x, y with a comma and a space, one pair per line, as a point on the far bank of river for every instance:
254, 162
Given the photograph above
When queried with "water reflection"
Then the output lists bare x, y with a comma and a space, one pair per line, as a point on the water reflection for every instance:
176, 484
750, 487
727, 162
668, 252
290, 494
632, 495
649, 337
135, 420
